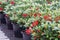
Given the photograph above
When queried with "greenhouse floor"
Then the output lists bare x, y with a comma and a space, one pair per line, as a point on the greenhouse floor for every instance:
6, 34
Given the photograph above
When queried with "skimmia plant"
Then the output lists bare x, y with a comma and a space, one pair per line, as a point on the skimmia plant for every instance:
41, 16
3, 4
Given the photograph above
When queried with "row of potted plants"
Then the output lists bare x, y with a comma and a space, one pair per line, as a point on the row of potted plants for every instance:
38, 18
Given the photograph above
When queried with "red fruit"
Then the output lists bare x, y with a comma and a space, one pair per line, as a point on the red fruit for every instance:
28, 31
39, 14
59, 36
0, 2
12, 2
1, 9
35, 23
57, 18
46, 17
35, 15
24, 15
38, 30
49, 2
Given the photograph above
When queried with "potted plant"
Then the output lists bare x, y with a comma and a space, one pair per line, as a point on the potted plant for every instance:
45, 32
8, 14
2, 13
40, 15
16, 29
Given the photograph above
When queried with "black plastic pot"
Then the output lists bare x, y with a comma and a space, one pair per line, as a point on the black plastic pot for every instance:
2, 17
18, 34
17, 30
9, 26
15, 26
7, 20
25, 36
8, 23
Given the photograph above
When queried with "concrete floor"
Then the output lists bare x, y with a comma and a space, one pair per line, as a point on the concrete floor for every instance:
6, 34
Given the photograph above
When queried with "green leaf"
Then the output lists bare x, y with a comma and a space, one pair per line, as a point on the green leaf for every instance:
56, 38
